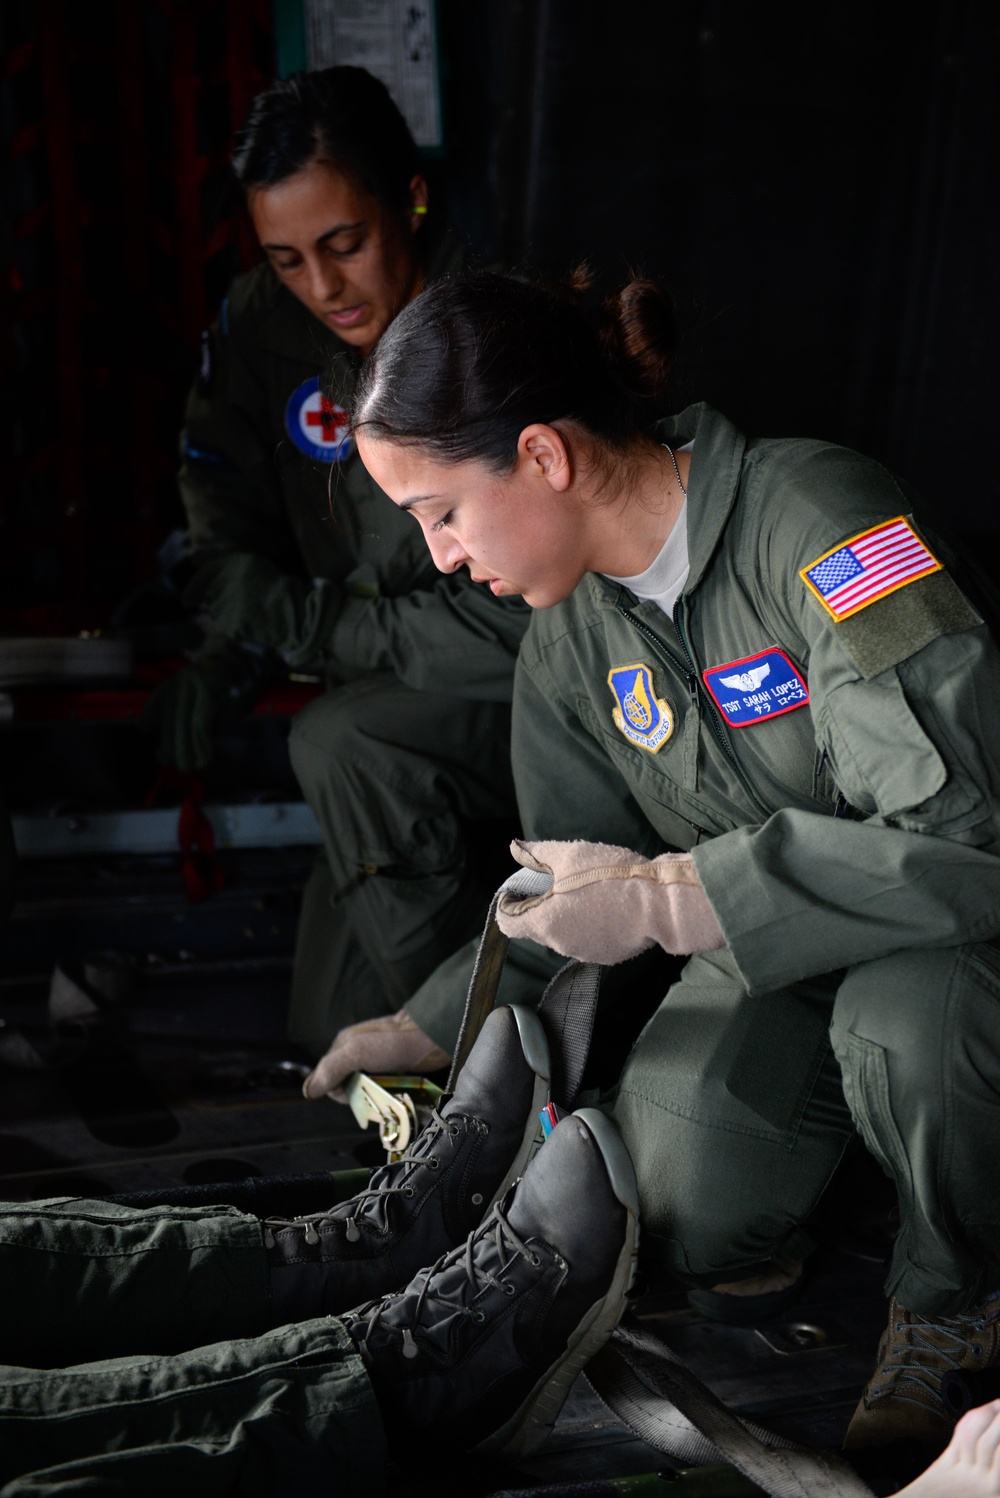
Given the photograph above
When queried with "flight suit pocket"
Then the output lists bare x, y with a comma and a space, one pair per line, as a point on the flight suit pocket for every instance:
881, 756
777, 1045
865, 1069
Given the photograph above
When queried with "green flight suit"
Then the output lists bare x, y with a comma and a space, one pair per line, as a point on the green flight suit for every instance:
849, 847
411, 741
139, 1356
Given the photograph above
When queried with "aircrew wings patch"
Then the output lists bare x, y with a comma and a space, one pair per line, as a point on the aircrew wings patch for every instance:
756, 688
868, 567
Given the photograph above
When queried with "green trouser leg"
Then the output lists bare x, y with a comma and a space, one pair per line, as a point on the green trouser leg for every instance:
918, 1037
736, 1111
90, 1279
276, 1416
394, 777
733, 1111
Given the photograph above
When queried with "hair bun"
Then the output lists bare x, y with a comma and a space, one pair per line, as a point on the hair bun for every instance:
638, 335
577, 284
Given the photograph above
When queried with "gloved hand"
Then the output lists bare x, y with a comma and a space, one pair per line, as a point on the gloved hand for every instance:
391, 1043
207, 696
607, 904
248, 598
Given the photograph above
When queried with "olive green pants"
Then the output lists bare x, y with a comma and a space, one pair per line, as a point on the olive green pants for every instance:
737, 1109
138, 1358
394, 777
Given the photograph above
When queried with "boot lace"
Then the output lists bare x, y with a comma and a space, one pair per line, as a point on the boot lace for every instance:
507, 1247
947, 1344
389, 1180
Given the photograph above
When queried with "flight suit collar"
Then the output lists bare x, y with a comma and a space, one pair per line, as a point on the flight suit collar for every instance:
713, 484
713, 481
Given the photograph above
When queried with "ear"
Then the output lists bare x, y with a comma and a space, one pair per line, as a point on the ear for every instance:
542, 453
418, 201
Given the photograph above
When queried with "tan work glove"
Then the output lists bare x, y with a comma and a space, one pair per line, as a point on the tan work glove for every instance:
607, 904
390, 1044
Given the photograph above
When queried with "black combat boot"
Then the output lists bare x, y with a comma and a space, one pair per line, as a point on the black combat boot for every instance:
416, 1209
480, 1350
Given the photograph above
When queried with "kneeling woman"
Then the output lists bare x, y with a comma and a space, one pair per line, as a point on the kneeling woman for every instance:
752, 666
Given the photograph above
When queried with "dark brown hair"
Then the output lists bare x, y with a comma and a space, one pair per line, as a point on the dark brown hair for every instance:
342, 115
473, 360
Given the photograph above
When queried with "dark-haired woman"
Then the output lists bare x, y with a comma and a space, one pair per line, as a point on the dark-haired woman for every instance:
754, 722
305, 566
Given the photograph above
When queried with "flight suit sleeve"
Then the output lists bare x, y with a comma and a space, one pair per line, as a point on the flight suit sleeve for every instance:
902, 696
557, 768
452, 636
228, 481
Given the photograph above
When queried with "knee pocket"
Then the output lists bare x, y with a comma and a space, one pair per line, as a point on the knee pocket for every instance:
865, 1068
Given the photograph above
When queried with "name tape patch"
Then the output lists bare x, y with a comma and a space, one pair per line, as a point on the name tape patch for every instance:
867, 567
756, 688
316, 426
645, 719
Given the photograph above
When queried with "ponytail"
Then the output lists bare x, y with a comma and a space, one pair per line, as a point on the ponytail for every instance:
639, 335
636, 327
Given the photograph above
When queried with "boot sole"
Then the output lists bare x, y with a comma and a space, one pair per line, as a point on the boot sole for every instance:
535, 1045
532, 1422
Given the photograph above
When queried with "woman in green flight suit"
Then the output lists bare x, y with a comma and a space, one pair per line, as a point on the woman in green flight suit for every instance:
755, 684
304, 565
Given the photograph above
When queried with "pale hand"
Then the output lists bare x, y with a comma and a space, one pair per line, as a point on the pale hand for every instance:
607, 904
391, 1044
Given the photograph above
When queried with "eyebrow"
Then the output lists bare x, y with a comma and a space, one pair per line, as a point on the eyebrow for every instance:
330, 234
418, 499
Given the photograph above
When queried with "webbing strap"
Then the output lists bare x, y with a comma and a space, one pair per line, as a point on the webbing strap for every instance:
657, 1396
489, 965
567, 1011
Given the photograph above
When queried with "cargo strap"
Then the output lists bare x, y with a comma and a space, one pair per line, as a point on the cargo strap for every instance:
648, 1387
567, 1006
655, 1394
201, 871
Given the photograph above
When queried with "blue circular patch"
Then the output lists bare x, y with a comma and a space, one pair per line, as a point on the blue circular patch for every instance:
316, 426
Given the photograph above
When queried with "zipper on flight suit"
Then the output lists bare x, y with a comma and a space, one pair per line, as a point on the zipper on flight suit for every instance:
687, 669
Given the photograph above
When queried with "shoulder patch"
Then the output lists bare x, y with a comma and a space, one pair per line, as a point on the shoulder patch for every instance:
316, 426
645, 719
756, 688
905, 622
869, 566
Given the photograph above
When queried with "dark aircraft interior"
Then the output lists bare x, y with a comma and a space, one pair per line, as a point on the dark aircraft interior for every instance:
817, 185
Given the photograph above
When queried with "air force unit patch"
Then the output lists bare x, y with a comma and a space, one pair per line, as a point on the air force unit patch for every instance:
756, 688
316, 426
868, 567
644, 718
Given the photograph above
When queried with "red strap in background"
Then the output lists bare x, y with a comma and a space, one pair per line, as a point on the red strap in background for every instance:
201, 871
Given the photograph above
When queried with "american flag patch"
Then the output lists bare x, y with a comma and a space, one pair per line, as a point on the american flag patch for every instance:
868, 567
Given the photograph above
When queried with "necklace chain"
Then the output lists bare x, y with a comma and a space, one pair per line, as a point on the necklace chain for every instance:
680, 481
